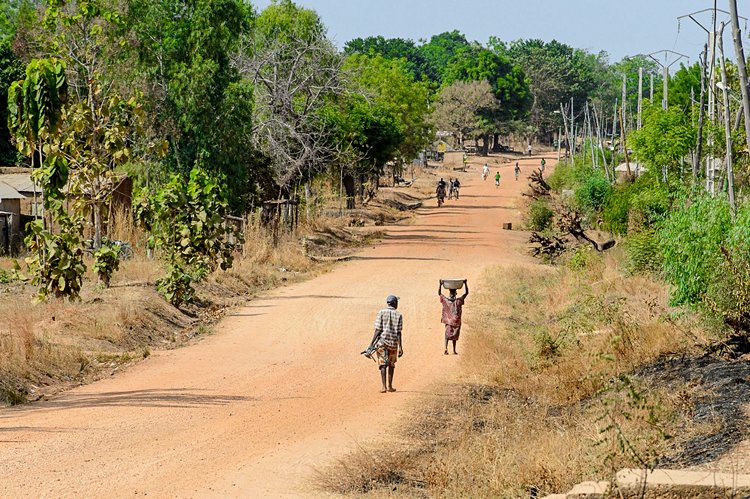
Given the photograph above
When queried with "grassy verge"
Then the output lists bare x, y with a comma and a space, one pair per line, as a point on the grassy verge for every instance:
550, 396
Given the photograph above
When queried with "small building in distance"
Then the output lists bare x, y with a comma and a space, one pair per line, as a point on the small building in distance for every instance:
10, 218
25, 186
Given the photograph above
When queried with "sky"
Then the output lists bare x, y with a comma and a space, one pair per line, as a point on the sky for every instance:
621, 28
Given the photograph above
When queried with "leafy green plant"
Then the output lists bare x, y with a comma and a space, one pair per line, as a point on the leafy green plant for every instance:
728, 293
643, 252
592, 192
57, 265
539, 215
690, 240
106, 261
187, 223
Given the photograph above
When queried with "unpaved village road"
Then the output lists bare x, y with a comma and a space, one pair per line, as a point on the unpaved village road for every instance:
280, 389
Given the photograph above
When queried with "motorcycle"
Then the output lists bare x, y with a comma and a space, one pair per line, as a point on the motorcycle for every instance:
440, 194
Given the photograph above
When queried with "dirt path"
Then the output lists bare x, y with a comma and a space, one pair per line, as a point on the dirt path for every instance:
280, 388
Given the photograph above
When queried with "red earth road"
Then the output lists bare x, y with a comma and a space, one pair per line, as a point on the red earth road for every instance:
280, 388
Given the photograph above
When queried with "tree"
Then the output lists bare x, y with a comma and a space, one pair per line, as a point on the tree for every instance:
440, 51
35, 108
392, 48
193, 94
685, 79
11, 69
295, 71
463, 108
507, 80
391, 86
556, 73
186, 221
666, 137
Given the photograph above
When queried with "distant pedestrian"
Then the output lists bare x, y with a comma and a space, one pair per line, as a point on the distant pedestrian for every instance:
543, 163
497, 179
386, 341
451, 315
517, 170
529, 149
485, 171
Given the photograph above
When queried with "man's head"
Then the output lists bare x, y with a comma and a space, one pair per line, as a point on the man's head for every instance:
392, 301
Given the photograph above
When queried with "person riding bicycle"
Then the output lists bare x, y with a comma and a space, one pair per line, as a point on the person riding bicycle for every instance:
455, 186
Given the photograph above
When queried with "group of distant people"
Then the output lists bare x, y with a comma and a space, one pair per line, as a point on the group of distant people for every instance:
449, 188
516, 171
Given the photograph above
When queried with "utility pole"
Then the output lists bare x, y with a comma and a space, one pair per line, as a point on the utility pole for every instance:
727, 124
624, 97
665, 71
742, 69
711, 32
640, 96
651, 95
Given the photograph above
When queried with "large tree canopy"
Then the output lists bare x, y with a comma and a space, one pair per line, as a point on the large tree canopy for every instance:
391, 85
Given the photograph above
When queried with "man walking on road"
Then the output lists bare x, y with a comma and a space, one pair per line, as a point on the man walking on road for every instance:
517, 170
451, 316
387, 341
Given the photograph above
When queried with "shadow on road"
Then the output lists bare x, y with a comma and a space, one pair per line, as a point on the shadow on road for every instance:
172, 398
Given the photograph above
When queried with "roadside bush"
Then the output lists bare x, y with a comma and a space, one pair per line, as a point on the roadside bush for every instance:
592, 192
728, 293
539, 215
690, 239
568, 176
648, 207
106, 261
616, 211
643, 253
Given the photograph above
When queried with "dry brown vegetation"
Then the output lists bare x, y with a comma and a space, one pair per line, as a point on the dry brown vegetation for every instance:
550, 396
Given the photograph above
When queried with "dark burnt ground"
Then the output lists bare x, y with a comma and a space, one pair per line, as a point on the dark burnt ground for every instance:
718, 389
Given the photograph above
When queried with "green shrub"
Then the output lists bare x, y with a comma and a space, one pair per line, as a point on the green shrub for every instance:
539, 215
616, 210
648, 207
728, 292
583, 258
106, 261
568, 176
690, 239
592, 192
643, 253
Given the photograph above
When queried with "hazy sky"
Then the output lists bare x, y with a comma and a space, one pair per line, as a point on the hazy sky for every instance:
619, 27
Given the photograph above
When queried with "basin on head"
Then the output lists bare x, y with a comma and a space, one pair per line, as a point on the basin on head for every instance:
453, 283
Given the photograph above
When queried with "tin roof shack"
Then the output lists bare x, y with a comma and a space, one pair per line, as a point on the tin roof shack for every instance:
25, 186
10, 218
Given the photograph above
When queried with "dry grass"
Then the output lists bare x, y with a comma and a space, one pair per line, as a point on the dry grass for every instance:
547, 399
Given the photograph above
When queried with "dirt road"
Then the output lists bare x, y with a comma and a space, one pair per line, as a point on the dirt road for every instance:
281, 387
